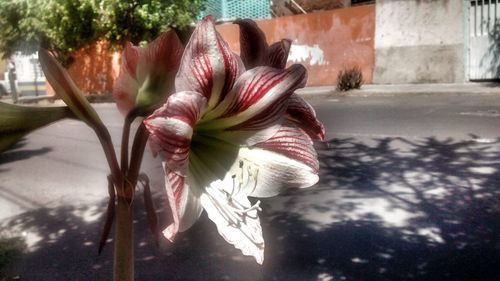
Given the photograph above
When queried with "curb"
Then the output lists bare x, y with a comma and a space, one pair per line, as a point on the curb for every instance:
370, 90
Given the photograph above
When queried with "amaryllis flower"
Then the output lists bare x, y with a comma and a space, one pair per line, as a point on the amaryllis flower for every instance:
147, 74
225, 135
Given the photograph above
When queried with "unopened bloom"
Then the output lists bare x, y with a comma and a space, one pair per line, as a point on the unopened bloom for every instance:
225, 135
147, 74
67, 90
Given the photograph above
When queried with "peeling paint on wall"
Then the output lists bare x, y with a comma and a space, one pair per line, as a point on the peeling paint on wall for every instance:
304, 53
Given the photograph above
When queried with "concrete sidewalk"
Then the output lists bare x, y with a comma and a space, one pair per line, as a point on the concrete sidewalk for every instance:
489, 88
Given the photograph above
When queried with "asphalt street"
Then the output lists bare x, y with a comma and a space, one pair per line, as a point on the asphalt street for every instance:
408, 191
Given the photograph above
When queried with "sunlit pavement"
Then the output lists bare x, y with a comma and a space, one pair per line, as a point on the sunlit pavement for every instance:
408, 191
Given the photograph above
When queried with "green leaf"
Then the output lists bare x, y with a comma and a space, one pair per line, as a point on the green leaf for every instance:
16, 121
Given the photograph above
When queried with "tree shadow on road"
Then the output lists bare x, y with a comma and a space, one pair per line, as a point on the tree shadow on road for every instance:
17, 153
384, 209
445, 192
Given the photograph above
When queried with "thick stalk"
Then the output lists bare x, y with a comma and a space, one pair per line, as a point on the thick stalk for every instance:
123, 267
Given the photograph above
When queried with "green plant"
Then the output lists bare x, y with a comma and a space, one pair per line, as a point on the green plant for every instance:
144, 20
64, 26
350, 78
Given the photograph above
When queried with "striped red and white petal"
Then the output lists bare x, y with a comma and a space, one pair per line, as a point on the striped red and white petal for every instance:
208, 65
303, 114
171, 128
277, 54
255, 103
184, 203
287, 160
253, 45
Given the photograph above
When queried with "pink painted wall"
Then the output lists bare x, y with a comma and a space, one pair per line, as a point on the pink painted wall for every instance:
95, 68
325, 42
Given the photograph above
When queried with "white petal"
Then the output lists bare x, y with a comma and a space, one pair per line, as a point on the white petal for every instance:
286, 160
267, 173
237, 221
261, 172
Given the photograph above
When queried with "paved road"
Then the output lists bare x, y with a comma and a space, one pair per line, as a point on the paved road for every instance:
408, 191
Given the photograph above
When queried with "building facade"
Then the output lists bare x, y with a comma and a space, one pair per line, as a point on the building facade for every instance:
436, 41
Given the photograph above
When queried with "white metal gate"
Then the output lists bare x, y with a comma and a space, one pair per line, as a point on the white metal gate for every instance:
484, 39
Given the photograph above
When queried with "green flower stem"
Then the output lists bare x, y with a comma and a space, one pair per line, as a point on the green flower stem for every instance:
123, 262
109, 151
125, 178
138, 147
125, 139
123, 268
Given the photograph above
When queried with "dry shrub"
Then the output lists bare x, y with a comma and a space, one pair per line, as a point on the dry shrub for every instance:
350, 78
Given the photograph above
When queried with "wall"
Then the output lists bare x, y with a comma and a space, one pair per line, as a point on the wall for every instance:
95, 68
419, 41
30, 80
325, 42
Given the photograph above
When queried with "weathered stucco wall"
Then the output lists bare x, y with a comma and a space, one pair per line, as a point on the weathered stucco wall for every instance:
95, 68
325, 42
419, 41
